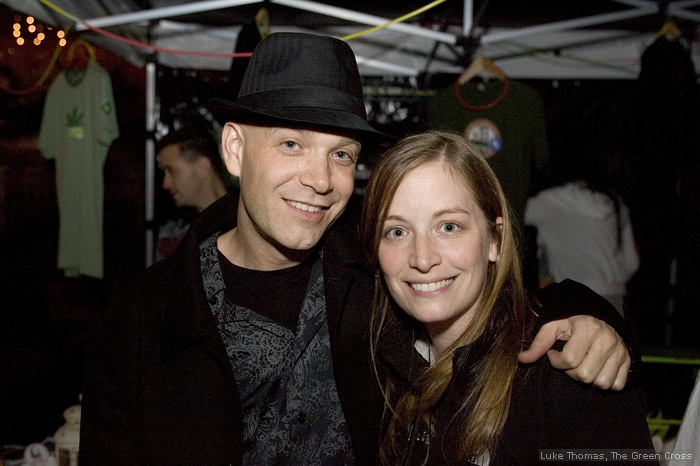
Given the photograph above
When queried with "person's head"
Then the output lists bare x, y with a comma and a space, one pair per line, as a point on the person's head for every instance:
437, 228
437, 190
293, 137
436, 250
192, 168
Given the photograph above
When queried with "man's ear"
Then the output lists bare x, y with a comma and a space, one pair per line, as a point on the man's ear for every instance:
232, 142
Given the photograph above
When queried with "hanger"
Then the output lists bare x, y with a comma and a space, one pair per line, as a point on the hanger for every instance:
262, 21
481, 65
669, 30
476, 67
71, 51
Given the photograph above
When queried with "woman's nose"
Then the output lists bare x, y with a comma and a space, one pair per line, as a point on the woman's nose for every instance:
424, 254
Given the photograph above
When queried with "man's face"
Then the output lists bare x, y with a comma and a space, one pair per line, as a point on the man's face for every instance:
294, 185
181, 178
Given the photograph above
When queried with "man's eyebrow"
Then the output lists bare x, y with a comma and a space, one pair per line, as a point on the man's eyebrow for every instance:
350, 141
346, 139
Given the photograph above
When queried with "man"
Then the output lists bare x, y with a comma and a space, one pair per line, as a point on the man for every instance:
193, 174
248, 345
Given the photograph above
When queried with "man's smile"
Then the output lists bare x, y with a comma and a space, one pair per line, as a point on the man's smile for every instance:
304, 207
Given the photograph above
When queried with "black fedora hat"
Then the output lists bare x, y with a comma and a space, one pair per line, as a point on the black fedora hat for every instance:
301, 80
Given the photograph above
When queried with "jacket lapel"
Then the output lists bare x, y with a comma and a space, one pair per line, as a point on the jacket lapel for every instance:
187, 320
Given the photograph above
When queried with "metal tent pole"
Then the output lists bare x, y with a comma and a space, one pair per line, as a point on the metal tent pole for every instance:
160, 13
468, 18
569, 24
151, 117
370, 20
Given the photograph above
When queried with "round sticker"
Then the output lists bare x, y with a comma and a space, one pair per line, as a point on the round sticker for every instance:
484, 134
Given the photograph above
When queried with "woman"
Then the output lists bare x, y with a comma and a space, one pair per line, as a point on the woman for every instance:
451, 316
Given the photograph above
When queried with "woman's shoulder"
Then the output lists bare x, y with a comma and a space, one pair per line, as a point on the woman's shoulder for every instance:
551, 410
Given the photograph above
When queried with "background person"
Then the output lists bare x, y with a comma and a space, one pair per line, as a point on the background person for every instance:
451, 316
583, 226
194, 175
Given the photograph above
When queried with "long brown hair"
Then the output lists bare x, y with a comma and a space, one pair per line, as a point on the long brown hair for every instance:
484, 410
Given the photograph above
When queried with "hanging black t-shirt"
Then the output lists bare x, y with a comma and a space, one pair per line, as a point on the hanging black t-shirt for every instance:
277, 294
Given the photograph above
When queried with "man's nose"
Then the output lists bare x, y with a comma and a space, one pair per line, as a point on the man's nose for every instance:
316, 173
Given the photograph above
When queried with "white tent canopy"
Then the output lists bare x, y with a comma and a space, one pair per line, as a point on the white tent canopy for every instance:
606, 44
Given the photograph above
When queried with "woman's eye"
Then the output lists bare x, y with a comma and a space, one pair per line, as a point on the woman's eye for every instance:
395, 233
449, 227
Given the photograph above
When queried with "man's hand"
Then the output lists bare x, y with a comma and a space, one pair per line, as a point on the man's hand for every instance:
593, 353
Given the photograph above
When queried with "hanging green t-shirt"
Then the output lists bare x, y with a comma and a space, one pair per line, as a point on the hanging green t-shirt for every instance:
78, 125
511, 134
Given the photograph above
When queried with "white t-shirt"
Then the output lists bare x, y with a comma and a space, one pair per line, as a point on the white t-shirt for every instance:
577, 231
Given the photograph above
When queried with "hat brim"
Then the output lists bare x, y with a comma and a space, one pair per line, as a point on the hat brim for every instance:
307, 117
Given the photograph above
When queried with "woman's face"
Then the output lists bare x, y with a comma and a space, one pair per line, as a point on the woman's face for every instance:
435, 251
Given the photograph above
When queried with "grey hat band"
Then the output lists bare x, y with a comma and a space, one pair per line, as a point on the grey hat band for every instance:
277, 100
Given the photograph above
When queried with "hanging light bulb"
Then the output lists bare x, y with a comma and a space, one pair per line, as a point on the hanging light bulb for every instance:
36, 31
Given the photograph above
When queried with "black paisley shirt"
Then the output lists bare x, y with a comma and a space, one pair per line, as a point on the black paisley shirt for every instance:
291, 410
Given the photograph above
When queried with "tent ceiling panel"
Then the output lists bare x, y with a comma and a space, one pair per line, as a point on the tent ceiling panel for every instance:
544, 38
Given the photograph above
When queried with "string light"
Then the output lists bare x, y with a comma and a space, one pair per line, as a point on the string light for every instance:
35, 30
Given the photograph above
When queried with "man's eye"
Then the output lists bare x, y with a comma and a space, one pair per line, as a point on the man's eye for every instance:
290, 145
345, 156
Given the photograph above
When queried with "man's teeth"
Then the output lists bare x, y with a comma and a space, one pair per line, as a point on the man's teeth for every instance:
306, 207
426, 287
